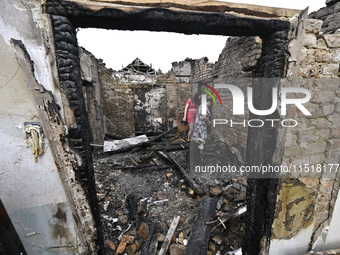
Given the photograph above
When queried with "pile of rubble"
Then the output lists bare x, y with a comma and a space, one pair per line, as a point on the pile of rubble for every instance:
148, 205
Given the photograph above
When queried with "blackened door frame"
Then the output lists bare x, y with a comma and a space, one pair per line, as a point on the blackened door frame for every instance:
274, 30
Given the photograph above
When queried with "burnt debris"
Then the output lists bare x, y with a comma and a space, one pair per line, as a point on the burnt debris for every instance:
141, 190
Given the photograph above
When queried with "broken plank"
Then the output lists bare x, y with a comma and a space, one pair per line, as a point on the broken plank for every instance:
156, 161
186, 176
145, 248
140, 167
125, 241
169, 235
156, 138
153, 245
171, 148
134, 161
198, 241
167, 143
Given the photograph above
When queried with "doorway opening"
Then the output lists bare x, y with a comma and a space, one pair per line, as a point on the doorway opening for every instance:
273, 29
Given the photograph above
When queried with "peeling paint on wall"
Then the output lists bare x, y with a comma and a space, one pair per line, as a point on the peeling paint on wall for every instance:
294, 209
65, 162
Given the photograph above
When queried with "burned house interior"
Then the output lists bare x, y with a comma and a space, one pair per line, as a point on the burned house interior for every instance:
110, 171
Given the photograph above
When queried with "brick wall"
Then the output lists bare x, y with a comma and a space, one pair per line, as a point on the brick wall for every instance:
118, 101
117, 105
235, 65
202, 69
316, 139
330, 16
177, 93
236, 60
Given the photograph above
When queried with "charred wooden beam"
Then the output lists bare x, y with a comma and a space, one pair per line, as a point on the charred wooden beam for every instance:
215, 20
153, 245
132, 205
186, 176
146, 246
147, 167
171, 148
198, 242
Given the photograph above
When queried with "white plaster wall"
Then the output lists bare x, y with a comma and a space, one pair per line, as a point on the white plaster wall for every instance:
32, 193
23, 183
297, 245
333, 237
25, 21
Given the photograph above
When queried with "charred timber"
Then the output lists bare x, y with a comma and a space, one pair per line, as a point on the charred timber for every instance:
195, 187
146, 167
164, 19
200, 234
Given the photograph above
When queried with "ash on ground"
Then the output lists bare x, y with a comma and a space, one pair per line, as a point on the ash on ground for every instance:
139, 194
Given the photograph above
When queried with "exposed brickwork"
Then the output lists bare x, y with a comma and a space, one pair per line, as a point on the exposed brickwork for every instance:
119, 99
117, 105
91, 91
182, 70
177, 95
237, 61
330, 16
315, 140
202, 69
235, 66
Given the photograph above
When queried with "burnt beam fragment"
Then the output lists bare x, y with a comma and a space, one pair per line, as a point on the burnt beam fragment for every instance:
169, 235
195, 187
132, 205
198, 242
68, 63
146, 247
146, 167
262, 144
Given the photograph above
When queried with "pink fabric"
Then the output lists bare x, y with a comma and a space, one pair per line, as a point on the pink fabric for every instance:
192, 111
